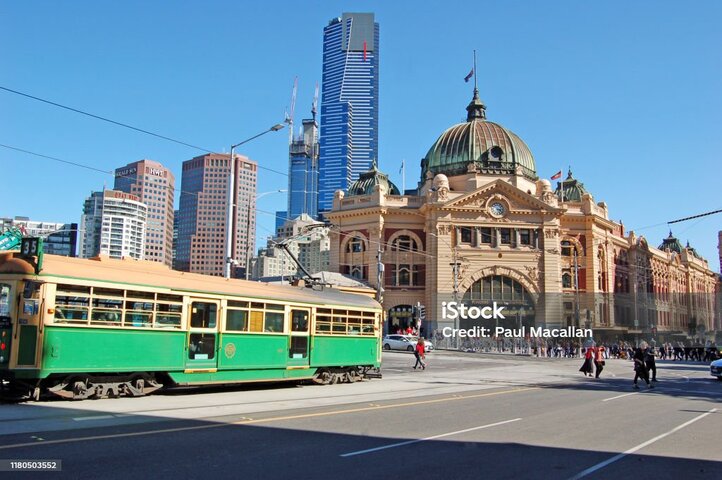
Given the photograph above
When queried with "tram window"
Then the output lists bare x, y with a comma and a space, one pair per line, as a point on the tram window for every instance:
299, 321
368, 326
71, 309
274, 322
323, 320
256, 321
4, 300
107, 292
257, 305
236, 304
202, 346
106, 311
354, 325
203, 315
164, 297
168, 315
141, 295
339, 325
237, 320
273, 306
31, 290
299, 347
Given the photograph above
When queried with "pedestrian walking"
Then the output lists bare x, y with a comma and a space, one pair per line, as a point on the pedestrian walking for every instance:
599, 360
420, 354
586, 367
650, 363
640, 368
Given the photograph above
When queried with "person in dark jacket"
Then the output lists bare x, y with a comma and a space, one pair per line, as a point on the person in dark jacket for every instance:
640, 368
650, 363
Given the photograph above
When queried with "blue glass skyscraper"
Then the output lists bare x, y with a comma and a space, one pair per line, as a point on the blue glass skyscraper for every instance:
303, 171
349, 103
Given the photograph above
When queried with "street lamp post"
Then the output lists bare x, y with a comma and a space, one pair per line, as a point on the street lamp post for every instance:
233, 198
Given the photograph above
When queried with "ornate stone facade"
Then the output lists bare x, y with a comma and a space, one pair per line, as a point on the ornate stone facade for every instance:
482, 227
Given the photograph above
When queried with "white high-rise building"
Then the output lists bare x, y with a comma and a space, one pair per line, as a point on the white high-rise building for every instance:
113, 223
310, 246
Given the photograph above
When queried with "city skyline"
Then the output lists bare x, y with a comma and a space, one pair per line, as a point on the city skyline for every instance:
628, 101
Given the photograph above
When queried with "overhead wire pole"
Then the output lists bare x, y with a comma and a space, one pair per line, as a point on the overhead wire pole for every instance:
232, 204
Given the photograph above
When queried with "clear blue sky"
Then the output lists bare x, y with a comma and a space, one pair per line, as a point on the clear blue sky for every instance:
627, 93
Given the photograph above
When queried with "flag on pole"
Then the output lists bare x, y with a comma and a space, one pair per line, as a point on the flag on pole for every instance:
557, 175
364, 50
466, 78
402, 167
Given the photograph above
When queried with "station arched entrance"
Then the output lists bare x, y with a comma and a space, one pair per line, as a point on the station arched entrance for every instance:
519, 308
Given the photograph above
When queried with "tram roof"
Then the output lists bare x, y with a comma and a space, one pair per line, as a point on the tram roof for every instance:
158, 275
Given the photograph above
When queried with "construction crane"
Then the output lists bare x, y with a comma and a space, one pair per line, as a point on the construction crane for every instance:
289, 114
314, 105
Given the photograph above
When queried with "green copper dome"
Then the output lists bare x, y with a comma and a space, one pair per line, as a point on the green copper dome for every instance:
573, 189
369, 179
671, 244
485, 145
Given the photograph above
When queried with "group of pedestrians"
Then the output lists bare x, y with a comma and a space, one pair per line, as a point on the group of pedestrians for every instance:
593, 361
643, 357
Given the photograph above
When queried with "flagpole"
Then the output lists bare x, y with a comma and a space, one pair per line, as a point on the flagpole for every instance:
562, 170
403, 177
475, 85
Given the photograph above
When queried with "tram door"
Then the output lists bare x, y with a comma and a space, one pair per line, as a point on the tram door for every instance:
203, 321
298, 341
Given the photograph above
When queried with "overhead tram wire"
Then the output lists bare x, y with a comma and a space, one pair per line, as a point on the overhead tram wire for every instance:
124, 125
56, 159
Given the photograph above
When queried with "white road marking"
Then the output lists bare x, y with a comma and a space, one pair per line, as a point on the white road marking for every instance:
96, 417
409, 442
615, 458
620, 396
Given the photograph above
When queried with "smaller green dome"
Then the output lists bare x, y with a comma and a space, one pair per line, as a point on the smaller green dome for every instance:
368, 180
671, 244
573, 189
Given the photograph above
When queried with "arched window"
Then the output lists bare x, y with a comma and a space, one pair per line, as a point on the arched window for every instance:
567, 248
404, 243
355, 245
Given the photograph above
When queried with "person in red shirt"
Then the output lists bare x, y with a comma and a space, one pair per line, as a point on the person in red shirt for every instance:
408, 330
420, 354
598, 360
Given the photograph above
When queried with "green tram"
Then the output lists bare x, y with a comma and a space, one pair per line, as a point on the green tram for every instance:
93, 328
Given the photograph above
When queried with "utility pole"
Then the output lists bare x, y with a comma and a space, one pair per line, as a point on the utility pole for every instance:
379, 275
455, 272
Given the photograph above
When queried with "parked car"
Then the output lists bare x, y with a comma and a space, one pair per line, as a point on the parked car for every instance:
404, 342
716, 369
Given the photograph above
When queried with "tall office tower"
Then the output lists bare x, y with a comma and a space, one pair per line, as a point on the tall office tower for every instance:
303, 171
203, 214
349, 103
155, 186
113, 223
58, 238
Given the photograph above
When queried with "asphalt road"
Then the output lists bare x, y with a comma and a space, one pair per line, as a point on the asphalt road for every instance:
466, 416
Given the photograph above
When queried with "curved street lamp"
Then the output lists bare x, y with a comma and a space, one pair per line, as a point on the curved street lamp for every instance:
232, 197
